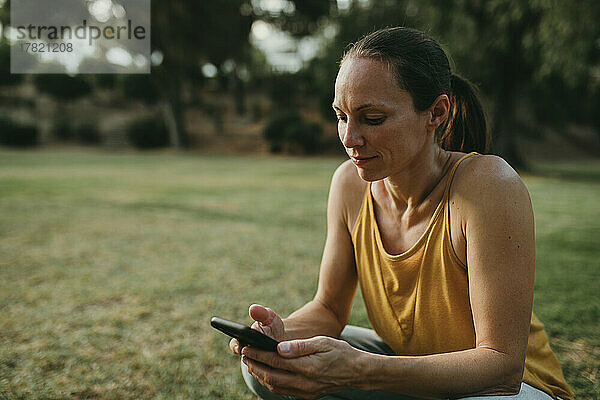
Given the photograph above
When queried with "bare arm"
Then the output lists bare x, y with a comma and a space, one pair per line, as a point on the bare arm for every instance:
328, 312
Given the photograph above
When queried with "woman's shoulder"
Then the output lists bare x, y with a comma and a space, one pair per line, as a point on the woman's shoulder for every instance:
487, 182
347, 191
347, 181
347, 175
485, 169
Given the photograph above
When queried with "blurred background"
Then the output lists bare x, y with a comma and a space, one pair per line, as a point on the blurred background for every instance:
133, 207
258, 76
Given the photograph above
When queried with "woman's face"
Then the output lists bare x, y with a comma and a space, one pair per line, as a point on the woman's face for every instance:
377, 123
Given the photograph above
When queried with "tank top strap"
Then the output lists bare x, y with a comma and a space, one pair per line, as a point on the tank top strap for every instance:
453, 172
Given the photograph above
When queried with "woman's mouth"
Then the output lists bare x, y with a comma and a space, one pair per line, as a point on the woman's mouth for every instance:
358, 161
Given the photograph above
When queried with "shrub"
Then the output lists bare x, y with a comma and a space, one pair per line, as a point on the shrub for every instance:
85, 133
139, 87
148, 133
62, 87
62, 130
287, 131
17, 135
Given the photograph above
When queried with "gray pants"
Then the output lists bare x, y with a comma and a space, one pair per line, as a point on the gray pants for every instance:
367, 340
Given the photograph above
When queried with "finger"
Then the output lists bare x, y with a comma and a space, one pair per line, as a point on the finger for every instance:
261, 314
283, 382
271, 359
304, 347
234, 346
306, 366
256, 325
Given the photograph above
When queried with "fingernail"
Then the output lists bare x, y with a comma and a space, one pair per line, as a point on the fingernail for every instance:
284, 347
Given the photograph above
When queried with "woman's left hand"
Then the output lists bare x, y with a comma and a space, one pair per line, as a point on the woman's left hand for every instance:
306, 368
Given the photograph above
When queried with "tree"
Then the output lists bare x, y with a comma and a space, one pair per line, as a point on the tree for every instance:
6, 78
521, 53
190, 34
64, 89
524, 54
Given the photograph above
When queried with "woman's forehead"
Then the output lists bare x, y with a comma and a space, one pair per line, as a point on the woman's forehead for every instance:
366, 81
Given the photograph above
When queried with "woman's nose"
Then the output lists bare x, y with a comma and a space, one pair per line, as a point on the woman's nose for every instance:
350, 136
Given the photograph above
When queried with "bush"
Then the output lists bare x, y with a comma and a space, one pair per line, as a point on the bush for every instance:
6, 78
85, 133
13, 134
62, 87
148, 133
139, 87
62, 130
288, 132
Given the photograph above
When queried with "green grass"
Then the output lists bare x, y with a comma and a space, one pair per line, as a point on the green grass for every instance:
111, 266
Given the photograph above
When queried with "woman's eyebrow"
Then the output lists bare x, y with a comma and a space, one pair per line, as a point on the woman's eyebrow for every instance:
359, 107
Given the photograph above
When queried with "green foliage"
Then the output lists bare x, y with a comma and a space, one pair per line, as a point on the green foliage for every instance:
62, 129
287, 131
537, 58
284, 89
86, 133
190, 34
17, 135
62, 87
6, 78
139, 87
148, 133
106, 81
307, 16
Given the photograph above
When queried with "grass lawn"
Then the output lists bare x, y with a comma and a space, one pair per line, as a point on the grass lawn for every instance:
111, 266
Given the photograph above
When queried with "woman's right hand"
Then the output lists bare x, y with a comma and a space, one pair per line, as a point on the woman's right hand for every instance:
265, 321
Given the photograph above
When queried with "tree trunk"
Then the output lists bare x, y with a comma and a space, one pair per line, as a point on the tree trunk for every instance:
169, 85
239, 93
175, 122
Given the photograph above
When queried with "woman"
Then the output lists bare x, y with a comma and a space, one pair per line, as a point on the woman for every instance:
441, 242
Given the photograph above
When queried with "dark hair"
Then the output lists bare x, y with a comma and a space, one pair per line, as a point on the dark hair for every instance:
422, 69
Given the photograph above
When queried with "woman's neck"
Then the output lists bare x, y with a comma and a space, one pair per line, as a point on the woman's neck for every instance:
410, 188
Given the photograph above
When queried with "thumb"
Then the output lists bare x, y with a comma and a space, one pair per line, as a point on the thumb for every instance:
303, 347
261, 314
267, 321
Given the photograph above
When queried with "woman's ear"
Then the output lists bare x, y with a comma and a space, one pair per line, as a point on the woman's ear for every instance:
438, 112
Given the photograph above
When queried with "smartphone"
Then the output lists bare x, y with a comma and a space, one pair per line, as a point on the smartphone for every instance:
244, 334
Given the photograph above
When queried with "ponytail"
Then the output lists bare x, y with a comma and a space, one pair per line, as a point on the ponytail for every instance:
421, 68
466, 128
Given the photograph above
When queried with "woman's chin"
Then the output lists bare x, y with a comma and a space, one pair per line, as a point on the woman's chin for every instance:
368, 176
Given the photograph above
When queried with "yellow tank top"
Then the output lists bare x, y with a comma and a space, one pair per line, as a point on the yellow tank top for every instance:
418, 301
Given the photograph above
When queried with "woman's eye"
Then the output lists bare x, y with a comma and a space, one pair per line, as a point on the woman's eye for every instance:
375, 121
341, 118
